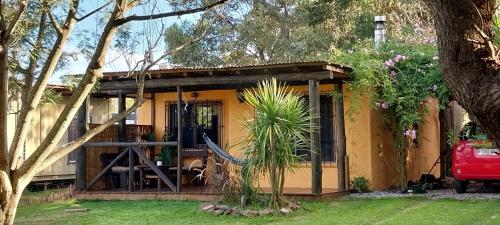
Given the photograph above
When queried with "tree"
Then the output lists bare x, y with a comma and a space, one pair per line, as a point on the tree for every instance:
469, 57
261, 31
45, 39
279, 127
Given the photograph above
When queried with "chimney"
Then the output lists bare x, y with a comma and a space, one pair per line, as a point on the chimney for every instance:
379, 31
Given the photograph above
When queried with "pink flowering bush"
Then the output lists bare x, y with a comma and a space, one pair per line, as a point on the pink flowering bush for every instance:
398, 78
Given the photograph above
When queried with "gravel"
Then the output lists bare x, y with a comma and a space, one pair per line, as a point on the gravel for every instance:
473, 193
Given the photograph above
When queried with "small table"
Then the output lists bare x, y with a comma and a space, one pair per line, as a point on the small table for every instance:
143, 176
123, 173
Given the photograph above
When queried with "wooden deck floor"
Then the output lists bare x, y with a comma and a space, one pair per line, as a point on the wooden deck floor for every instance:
199, 193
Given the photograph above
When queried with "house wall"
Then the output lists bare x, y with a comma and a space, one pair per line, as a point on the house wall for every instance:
427, 149
369, 143
44, 118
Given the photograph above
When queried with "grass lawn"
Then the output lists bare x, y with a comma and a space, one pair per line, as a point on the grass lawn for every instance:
347, 211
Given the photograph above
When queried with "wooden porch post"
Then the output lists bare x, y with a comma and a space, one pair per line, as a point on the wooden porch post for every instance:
122, 129
179, 139
80, 153
340, 138
314, 107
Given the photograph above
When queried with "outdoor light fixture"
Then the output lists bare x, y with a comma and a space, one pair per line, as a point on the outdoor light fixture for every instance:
239, 95
194, 94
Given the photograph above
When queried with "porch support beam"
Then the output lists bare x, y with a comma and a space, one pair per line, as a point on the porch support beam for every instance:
340, 142
179, 139
80, 153
219, 80
314, 110
122, 129
131, 180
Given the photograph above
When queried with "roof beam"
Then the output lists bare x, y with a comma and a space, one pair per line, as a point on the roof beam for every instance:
218, 80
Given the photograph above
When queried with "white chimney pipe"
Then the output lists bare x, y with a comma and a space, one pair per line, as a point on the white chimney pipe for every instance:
379, 31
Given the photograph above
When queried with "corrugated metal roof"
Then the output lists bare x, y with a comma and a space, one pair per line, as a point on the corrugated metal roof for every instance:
175, 69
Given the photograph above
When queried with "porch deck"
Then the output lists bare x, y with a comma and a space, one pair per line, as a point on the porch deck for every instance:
199, 193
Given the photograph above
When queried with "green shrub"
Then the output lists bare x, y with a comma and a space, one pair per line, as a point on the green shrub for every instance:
360, 185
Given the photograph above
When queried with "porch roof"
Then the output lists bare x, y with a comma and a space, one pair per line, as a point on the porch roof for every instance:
230, 77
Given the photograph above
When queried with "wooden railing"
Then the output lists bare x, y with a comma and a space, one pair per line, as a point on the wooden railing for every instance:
130, 148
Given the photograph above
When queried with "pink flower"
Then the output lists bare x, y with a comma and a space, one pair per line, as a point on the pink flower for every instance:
411, 133
389, 63
384, 105
434, 88
397, 58
393, 74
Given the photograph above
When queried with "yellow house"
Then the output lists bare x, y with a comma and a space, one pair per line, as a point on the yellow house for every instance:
210, 99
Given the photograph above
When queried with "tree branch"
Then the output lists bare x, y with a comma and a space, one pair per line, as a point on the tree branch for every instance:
54, 23
67, 148
169, 14
93, 12
94, 70
34, 96
15, 21
488, 43
34, 56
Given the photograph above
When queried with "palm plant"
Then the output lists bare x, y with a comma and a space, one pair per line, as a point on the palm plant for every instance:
277, 129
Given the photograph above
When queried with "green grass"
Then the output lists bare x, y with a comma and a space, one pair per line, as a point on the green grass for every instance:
347, 211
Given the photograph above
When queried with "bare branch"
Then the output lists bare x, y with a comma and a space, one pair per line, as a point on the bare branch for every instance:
93, 12
488, 43
34, 56
94, 71
15, 21
34, 96
169, 14
54, 23
67, 148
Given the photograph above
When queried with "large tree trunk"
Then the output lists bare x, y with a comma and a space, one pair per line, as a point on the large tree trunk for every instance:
469, 63
11, 208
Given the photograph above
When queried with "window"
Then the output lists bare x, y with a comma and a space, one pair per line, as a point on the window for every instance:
326, 132
205, 115
72, 133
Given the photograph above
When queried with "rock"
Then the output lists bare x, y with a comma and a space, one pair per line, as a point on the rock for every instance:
228, 211
249, 213
219, 212
235, 212
292, 205
285, 210
265, 212
223, 207
207, 207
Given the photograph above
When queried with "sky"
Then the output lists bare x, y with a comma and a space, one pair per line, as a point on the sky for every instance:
115, 60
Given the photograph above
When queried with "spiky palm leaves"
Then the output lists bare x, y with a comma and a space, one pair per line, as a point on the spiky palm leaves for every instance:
277, 129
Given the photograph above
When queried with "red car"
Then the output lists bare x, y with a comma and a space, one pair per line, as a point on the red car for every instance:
475, 158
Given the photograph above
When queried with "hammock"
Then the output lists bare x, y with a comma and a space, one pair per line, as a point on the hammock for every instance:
220, 152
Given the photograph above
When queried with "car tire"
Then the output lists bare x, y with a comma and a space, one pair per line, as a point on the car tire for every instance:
460, 186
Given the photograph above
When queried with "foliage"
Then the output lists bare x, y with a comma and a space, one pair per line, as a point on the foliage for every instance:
350, 21
452, 137
397, 78
360, 184
256, 32
278, 128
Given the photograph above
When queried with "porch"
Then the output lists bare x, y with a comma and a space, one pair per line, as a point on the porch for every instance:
187, 102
